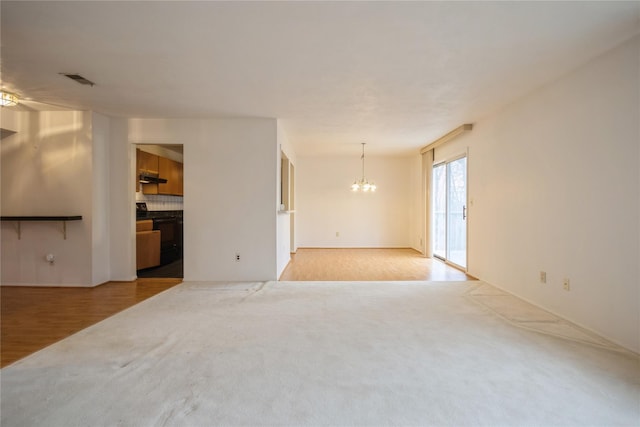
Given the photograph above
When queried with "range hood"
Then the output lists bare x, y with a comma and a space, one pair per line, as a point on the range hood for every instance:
151, 178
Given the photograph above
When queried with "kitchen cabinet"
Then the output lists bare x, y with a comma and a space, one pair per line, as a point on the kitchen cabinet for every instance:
147, 163
172, 171
163, 168
147, 245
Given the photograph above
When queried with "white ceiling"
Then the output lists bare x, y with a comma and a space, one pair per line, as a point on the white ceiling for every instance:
395, 75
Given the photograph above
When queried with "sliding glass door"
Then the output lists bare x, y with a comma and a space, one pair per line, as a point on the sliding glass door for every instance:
440, 211
457, 212
450, 211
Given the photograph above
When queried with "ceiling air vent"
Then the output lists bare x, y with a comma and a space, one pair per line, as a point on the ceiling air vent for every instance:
78, 78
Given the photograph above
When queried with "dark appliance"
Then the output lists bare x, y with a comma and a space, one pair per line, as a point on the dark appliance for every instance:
150, 178
170, 225
141, 210
169, 238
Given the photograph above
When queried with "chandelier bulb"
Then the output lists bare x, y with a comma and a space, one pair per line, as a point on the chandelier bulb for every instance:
8, 99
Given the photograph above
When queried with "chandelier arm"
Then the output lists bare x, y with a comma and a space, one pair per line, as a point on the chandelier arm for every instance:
363, 161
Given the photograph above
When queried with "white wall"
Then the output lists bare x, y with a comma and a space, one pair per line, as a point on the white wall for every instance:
416, 205
121, 202
230, 182
70, 163
9, 119
326, 204
47, 170
100, 236
554, 186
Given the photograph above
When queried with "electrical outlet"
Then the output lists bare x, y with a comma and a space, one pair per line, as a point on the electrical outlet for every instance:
543, 277
237, 257
566, 285
337, 234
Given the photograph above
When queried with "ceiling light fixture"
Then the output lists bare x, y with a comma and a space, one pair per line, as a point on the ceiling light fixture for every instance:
8, 99
363, 184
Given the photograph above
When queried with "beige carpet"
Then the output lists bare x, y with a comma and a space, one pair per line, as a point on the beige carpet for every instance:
316, 353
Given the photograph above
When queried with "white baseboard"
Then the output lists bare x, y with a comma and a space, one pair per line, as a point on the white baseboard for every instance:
563, 316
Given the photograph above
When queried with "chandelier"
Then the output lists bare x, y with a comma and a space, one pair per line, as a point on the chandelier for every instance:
8, 99
363, 184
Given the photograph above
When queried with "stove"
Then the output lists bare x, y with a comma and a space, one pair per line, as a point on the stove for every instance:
170, 224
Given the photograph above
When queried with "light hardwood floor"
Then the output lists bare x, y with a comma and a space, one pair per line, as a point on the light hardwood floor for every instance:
35, 317
312, 264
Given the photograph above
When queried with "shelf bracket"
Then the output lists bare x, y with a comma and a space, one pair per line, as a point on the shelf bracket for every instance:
19, 229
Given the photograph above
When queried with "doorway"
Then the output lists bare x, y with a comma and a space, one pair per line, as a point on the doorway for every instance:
159, 185
450, 211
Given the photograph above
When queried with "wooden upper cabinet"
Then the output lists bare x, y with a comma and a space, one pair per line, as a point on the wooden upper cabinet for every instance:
146, 162
172, 171
180, 180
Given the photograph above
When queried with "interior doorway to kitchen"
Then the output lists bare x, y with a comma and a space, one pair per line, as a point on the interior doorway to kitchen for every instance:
450, 211
287, 196
159, 195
